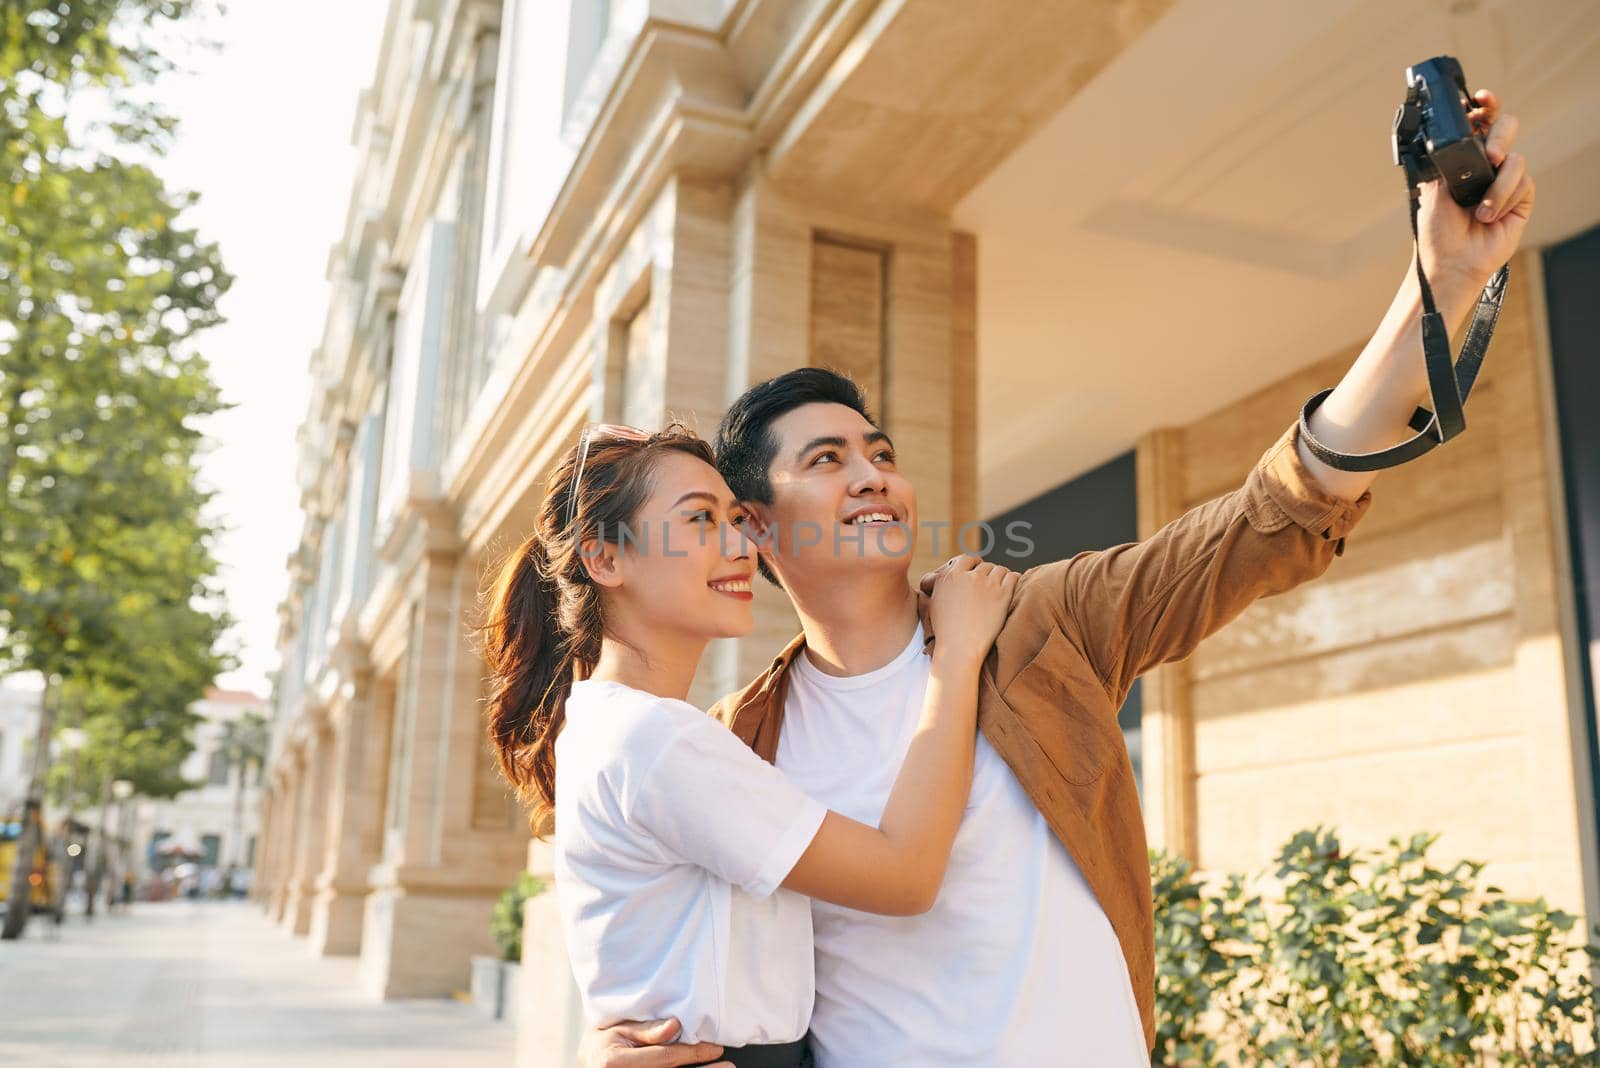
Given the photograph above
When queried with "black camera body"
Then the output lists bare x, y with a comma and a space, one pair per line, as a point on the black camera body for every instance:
1433, 137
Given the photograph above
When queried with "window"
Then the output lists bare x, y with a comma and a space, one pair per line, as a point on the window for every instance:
589, 23
1572, 270
218, 772
210, 850
643, 387
152, 854
1096, 510
408, 433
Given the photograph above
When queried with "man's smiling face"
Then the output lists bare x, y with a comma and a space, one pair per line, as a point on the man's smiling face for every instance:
839, 501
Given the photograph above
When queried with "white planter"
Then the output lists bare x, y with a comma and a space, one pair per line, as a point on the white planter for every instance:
510, 977
488, 986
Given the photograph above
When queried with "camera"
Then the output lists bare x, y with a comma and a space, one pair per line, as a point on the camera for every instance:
1433, 137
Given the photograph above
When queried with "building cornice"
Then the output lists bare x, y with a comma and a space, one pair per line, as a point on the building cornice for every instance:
687, 102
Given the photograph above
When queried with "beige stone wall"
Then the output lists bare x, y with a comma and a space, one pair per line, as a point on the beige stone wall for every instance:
1418, 685
448, 846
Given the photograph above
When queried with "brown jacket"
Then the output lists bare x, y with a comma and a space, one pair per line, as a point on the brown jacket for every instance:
1080, 631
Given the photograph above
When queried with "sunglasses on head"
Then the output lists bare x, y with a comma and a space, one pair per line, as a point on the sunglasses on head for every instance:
608, 431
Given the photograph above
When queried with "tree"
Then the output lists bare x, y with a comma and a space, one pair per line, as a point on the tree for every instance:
143, 737
244, 743
107, 574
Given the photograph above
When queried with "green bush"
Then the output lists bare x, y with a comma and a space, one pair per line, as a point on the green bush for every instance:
1364, 959
506, 920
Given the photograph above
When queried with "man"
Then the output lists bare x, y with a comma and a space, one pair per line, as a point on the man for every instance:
1040, 947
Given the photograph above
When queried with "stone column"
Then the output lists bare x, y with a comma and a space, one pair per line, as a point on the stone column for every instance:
1167, 715
290, 804
451, 843
289, 808
354, 821
312, 831
264, 855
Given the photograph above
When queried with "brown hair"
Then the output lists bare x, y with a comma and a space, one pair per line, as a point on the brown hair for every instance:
543, 623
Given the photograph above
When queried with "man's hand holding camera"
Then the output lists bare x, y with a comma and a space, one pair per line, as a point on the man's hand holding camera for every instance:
1462, 247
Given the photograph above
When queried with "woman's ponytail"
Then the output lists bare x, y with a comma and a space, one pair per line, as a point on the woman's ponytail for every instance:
530, 660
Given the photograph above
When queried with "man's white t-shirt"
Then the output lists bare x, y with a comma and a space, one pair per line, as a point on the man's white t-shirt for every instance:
671, 841
1016, 964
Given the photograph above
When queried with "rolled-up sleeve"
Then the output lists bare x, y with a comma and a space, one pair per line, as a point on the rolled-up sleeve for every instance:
1282, 490
1134, 606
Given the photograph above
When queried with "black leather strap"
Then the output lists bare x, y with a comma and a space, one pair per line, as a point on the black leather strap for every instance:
1448, 386
786, 1055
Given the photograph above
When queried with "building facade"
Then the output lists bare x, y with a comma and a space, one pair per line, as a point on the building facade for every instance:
1077, 256
20, 705
218, 821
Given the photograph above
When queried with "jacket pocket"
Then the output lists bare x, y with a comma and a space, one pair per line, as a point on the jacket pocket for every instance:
1060, 702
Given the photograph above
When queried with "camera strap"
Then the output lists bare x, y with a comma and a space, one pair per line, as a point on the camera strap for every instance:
1447, 385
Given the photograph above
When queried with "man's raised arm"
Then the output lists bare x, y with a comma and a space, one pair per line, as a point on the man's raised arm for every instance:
1370, 407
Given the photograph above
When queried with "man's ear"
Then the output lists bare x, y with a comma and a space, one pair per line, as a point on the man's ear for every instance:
760, 520
600, 561
762, 531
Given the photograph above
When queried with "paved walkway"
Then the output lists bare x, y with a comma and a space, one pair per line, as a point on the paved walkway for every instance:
214, 984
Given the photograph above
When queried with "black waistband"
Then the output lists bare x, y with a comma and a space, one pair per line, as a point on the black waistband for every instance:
787, 1055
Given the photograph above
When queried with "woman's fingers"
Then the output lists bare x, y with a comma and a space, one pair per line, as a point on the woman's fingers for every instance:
956, 564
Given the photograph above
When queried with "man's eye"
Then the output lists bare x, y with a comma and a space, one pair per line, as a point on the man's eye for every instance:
886, 456
740, 521
821, 456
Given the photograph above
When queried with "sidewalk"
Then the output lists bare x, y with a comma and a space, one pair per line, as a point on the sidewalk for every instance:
214, 984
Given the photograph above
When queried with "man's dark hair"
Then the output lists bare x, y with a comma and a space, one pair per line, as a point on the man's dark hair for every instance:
745, 446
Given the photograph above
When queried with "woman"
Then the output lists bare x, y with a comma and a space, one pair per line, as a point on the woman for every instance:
681, 856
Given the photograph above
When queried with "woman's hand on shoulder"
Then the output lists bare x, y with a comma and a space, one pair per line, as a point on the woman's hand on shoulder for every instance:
971, 600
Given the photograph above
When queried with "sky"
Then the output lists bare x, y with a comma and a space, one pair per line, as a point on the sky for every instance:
265, 141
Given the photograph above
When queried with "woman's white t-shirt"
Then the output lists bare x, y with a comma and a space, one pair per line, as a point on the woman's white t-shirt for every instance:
671, 841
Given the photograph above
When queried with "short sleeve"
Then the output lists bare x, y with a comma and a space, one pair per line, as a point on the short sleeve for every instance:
712, 802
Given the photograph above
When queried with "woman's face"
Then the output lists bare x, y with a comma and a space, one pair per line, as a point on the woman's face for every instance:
684, 564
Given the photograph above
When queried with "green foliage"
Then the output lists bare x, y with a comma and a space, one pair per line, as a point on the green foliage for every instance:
506, 920
107, 573
1365, 959
245, 740
141, 735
